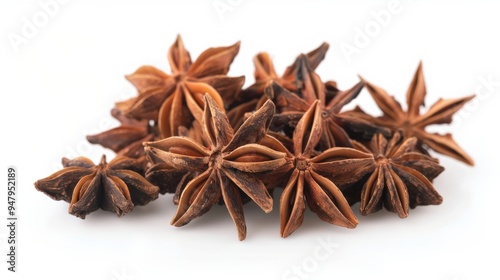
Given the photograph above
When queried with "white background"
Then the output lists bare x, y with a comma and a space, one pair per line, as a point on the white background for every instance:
60, 82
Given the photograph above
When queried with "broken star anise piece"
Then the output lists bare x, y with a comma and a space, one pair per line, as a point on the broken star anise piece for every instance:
228, 166
177, 99
115, 186
412, 122
305, 186
126, 139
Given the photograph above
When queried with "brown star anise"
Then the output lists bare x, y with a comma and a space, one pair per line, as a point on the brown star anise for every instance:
253, 97
127, 139
293, 105
396, 176
412, 123
177, 99
225, 168
115, 186
265, 74
304, 185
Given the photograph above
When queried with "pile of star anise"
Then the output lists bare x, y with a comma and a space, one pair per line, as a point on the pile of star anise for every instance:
197, 134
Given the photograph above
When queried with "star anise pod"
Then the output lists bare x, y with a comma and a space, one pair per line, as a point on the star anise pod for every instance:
397, 176
412, 122
116, 186
177, 99
227, 167
126, 139
306, 186
254, 96
265, 74
293, 105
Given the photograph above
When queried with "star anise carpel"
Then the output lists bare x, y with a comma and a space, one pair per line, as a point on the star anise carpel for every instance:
227, 168
413, 123
116, 186
177, 99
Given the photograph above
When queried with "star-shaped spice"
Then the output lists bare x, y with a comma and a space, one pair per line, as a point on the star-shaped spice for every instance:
265, 74
115, 186
303, 185
293, 105
126, 139
412, 122
177, 99
397, 176
228, 166
254, 96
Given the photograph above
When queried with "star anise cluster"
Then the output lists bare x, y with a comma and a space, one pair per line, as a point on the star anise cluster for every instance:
200, 135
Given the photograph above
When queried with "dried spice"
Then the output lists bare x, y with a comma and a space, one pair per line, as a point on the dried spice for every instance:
305, 186
292, 105
116, 186
412, 123
287, 131
176, 100
392, 174
226, 167
265, 74
253, 97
